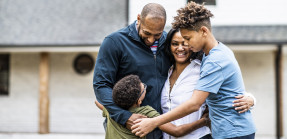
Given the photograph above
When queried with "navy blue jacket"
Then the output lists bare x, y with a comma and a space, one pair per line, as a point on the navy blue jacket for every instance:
123, 53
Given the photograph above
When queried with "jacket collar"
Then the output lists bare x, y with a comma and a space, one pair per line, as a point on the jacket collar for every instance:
133, 33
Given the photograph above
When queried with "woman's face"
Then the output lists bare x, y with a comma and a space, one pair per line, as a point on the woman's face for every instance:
180, 51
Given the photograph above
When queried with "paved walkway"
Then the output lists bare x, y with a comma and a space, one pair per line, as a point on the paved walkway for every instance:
50, 136
69, 136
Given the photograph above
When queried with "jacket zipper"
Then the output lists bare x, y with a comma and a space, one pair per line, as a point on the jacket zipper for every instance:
156, 72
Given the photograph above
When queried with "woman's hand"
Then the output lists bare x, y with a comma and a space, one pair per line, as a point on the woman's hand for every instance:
143, 126
243, 103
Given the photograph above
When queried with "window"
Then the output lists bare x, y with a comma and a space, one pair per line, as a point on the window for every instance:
84, 63
4, 74
207, 2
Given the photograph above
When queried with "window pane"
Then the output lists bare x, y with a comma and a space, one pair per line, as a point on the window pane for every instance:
4, 74
84, 63
207, 2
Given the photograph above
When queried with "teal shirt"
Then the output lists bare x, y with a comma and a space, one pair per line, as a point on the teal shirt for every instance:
117, 131
220, 75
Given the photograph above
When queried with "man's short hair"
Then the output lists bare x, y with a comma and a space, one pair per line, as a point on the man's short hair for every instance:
193, 16
126, 91
155, 10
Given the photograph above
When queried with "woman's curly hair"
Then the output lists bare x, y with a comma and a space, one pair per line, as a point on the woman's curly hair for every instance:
126, 91
193, 16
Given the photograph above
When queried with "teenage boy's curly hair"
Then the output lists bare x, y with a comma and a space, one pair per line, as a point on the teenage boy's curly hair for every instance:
126, 91
193, 16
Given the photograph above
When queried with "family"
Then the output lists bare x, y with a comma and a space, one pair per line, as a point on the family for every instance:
185, 75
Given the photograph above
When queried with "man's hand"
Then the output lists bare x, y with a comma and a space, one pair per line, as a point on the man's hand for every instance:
130, 121
243, 103
205, 116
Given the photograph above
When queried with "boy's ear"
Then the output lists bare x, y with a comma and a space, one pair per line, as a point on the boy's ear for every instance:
204, 30
139, 102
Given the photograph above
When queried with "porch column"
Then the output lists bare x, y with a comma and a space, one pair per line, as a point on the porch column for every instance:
279, 91
44, 94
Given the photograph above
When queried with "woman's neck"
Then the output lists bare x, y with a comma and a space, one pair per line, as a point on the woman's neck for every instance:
179, 67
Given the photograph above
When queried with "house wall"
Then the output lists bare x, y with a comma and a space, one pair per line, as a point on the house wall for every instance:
135, 7
19, 110
72, 108
258, 72
226, 12
245, 12
72, 98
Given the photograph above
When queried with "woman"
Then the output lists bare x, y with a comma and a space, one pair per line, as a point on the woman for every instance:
182, 78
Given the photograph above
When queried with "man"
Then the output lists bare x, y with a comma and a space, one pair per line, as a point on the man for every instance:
136, 49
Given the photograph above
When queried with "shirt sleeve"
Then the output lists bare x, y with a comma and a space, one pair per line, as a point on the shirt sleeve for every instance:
105, 74
211, 78
151, 112
146, 110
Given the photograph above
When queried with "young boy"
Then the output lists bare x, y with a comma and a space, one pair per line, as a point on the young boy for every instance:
220, 80
128, 93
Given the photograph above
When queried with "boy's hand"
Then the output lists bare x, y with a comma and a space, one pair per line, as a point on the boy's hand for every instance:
130, 121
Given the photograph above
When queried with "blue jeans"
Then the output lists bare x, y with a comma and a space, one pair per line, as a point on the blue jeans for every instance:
105, 124
208, 136
251, 136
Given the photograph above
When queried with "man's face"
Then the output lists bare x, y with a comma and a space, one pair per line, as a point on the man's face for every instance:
194, 39
150, 30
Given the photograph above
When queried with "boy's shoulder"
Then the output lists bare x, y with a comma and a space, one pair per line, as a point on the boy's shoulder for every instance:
220, 51
145, 110
221, 55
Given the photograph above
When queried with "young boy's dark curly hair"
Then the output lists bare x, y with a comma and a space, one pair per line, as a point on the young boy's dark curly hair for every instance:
126, 91
193, 17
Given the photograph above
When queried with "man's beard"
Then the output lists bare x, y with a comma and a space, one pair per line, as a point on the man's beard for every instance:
142, 40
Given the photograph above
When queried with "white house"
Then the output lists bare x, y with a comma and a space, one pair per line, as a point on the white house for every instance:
47, 47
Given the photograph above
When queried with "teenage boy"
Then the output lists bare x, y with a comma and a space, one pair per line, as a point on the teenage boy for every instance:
220, 80
128, 93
